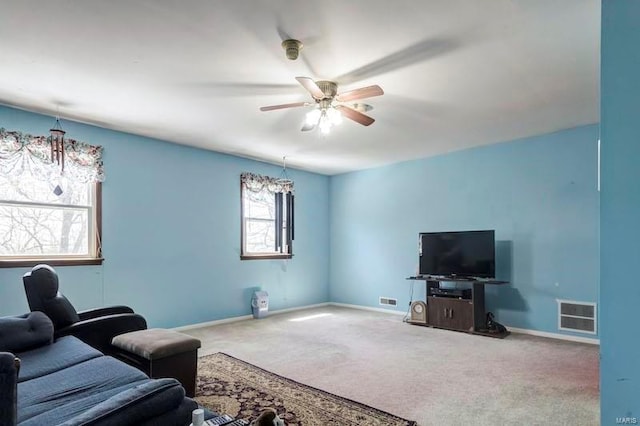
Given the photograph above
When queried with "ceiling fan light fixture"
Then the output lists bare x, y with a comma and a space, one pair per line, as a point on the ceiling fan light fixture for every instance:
325, 123
324, 117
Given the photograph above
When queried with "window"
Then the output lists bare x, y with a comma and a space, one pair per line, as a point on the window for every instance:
47, 216
37, 224
267, 217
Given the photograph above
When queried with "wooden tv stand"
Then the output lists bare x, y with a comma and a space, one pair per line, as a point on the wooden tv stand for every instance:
466, 313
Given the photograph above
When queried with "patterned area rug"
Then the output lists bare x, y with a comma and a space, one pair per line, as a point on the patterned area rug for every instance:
231, 386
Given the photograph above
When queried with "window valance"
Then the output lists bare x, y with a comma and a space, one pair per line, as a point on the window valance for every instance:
21, 152
256, 183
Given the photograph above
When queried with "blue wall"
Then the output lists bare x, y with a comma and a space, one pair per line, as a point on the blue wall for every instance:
539, 194
171, 233
620, 211
171, 228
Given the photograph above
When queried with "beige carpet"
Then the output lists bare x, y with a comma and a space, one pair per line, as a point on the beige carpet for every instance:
231, 386
436, 377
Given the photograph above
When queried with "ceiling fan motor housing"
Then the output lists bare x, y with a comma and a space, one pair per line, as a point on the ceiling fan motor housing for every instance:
329, 88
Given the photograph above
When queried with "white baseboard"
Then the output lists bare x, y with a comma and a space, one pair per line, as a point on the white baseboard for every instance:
245, 317
368, 308
580, 339
210, 323
298, 308
589, 340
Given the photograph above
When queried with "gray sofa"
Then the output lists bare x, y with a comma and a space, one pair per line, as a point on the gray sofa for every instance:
67, 382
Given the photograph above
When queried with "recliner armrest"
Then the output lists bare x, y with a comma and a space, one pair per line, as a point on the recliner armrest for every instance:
9, 366
101, 312
98, 332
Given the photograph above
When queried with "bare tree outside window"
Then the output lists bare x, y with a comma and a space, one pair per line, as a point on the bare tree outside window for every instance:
37, 223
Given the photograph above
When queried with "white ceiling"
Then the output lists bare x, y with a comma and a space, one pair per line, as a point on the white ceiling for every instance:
456, 73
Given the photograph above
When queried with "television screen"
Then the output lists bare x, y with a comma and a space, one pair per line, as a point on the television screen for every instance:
458, 254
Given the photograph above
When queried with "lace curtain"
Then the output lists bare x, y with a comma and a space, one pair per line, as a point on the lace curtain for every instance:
257, 183
23, 153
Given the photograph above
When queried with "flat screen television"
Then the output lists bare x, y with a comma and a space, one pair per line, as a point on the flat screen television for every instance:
458, 254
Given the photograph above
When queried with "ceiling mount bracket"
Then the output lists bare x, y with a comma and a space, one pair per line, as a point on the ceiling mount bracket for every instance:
292, 48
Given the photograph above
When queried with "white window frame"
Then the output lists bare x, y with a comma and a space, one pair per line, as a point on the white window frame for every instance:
94, 228
286, 249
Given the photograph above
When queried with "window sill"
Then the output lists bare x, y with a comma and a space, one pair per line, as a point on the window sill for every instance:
19, 263
265, 256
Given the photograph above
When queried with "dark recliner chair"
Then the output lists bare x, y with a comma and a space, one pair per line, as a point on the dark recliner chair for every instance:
96, 327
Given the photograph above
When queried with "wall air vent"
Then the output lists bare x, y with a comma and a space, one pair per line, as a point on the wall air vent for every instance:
577, 316
388, 301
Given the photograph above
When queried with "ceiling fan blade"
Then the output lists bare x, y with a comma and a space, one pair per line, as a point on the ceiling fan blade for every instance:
238, 89
293, 105
354, 115
311, 87
422, 51
361, 93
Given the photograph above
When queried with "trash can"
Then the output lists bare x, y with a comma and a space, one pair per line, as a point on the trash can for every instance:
260, 304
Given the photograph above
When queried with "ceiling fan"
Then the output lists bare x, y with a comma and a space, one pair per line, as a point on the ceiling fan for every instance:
330, 106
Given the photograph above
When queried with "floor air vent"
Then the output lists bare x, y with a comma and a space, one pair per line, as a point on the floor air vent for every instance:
388, 301
577, 316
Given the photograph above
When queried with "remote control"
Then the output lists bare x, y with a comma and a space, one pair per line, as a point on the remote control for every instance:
219, 420
238, 422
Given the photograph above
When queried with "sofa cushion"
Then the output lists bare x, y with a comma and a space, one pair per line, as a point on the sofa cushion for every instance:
66, 352
148, 399
75, 389
75, 407
128, 405
24, 332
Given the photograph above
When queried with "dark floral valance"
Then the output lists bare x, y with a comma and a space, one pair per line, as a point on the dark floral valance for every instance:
21, 152
256, 183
